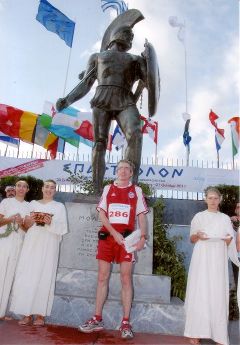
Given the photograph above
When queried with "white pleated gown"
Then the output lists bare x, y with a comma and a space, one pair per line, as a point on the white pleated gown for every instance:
33, 288
10, 248
207, 295
238, 291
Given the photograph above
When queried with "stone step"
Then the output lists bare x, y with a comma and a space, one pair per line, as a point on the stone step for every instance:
145, 317
82, 283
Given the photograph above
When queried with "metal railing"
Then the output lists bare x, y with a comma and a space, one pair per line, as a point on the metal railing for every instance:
114, 158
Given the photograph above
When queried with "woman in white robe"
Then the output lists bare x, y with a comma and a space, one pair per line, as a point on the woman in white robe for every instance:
12, 213
33, 288
238, 240
238, 291
207, 295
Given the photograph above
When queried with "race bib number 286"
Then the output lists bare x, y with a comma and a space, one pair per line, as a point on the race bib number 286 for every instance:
119, 213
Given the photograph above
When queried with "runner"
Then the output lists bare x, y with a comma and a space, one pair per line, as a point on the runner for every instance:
120, 203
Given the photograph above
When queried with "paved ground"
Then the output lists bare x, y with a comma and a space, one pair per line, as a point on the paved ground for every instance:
12, 333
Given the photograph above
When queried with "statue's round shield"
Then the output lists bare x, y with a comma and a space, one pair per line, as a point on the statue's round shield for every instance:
153, 78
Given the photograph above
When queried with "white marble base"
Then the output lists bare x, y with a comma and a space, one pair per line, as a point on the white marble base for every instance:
82, 283
152, 311
145, 317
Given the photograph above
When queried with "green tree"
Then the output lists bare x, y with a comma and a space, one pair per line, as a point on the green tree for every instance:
230, 197
35, 186
166, 259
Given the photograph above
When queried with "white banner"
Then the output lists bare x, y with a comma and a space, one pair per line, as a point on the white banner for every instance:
185, 179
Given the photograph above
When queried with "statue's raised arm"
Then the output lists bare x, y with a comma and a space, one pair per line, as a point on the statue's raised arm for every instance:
86, 82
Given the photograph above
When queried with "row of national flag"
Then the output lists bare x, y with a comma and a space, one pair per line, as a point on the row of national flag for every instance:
219, 132
75, 127
70, 125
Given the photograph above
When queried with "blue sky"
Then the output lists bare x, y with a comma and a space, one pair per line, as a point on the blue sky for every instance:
34, 64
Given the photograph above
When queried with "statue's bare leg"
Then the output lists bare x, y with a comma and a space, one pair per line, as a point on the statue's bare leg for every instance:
101, 125
129, 122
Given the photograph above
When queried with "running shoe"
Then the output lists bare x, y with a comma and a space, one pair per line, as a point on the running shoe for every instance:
91, 325
126, 330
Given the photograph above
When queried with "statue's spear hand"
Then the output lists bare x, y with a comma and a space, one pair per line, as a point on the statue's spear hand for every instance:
61, 104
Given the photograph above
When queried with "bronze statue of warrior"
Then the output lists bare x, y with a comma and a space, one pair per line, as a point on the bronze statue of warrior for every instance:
116, 72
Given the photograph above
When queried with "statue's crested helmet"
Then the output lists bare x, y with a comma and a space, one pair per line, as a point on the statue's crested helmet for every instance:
120, 29
123, 35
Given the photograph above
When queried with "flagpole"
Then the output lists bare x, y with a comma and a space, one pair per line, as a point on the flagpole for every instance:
68, 64
52, 22
186, 92
108, 158
6, 150
122, 148
65, 86
233, 163
78, 152
233, 160
174, 22
156, 147
218, 158
18, 148
32, 150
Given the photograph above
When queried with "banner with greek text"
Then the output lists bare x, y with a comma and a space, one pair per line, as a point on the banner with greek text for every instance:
177, 178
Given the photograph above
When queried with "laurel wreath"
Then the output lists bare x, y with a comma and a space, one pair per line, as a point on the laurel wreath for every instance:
11, 227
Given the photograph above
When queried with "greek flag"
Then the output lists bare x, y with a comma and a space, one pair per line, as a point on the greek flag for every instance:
119, 5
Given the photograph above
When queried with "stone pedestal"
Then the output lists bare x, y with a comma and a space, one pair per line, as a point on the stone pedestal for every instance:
74, 302
145, 317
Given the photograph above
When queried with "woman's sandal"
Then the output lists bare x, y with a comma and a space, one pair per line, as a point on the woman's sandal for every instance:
195, 341
39, 321
26, 321
6, 318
